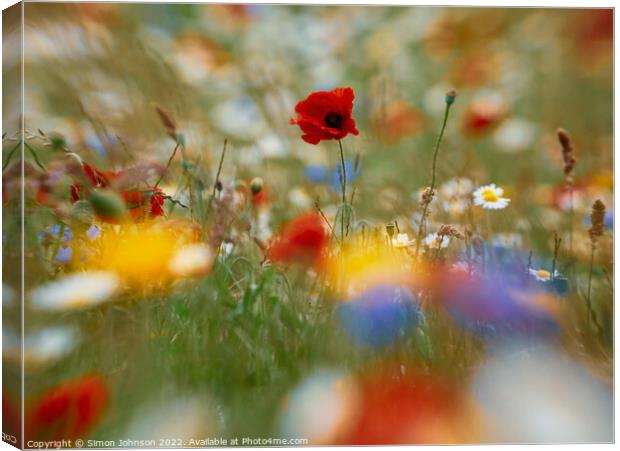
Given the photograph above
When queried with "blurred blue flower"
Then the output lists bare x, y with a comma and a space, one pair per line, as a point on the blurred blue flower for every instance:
316, 173
53, 231
64, 255
352, 175
503, 303
93, 232
380, 315
97, 145
321, 174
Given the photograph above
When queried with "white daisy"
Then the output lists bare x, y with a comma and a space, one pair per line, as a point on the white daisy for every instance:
402, 240
490, 197
75, 291
542, 275
191, 260
433, 241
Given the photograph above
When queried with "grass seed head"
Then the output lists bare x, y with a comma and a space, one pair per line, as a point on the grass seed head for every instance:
568, 151
597, 220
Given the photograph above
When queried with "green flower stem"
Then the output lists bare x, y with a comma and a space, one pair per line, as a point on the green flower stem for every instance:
344, 188
433, 179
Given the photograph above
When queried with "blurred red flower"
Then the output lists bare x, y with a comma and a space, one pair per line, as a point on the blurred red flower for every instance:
302, 240
142, 204
482, 117
97, 178
68, 411
412, 409
326, 115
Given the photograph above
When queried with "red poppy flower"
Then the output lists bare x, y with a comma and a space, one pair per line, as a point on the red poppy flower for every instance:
302, 241
97, 178
326, 115
144, 203
68, 411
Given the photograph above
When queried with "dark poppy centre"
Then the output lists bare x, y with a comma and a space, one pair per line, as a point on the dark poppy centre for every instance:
333, 120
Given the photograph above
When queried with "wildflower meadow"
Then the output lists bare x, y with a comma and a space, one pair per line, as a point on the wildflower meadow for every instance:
289, 225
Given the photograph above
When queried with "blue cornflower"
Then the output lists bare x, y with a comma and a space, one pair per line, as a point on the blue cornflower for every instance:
380, 315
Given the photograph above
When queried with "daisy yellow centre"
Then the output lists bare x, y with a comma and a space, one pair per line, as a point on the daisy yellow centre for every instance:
543, 274
489, 195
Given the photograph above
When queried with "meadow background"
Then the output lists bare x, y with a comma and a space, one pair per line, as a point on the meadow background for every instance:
253, 349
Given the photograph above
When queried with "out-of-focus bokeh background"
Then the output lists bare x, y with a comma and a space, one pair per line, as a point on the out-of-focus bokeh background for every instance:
237, 352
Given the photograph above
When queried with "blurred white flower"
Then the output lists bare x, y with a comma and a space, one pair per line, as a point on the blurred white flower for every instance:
433, 241
298, 197
514, 135
270, 145
191, 260
320, 407
458, 187
41, 347
183, 418
402, 240
507, 240
538, 396
263, 230
239, 117
8, 296
226, 248
75, 291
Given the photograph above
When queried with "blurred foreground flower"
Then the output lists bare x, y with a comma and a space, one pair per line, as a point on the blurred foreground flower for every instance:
326, 115
75, 291
502, 302
144, 255
191, 260
320, 408
183, 418
68, 411
412, 409
40, 348
541, 397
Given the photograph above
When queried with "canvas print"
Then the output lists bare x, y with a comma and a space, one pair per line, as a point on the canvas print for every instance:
287, 225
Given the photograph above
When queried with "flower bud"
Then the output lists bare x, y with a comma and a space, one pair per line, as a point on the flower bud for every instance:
389, 228
256, 185
107, 204
450, 96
